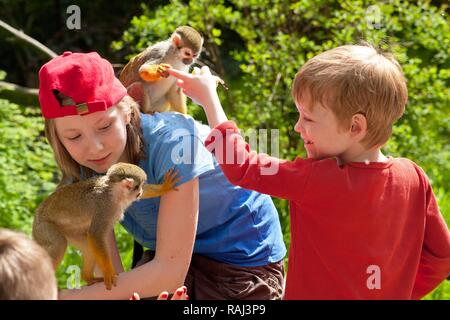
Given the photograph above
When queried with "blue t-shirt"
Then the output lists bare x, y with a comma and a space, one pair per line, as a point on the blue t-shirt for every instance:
235, 225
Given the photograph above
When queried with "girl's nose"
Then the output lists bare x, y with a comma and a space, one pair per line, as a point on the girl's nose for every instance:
96, 145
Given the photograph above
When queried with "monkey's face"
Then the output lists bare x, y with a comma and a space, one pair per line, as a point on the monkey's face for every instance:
130, 177
130, 191
187, 56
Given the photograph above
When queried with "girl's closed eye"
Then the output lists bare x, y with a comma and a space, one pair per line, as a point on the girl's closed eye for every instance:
73, 138
105, 127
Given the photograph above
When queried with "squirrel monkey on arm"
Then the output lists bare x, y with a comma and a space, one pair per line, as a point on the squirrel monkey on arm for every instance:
146, 77
84, 213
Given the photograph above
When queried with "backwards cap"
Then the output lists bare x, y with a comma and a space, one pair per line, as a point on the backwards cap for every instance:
85, 78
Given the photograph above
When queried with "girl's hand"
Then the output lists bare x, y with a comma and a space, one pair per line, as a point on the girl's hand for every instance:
200, 86
180, 294
135, 296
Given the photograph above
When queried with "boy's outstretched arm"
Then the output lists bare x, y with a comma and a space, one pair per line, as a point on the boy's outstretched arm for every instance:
241, 165
201, 89
257, 171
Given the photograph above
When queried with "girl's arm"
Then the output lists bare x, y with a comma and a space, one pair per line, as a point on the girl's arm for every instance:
176, 229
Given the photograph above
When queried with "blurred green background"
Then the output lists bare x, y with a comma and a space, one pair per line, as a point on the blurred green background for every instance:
257, 47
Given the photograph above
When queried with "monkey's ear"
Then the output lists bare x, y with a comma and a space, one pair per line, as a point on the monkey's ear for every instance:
176, 40
136, 91
127, 183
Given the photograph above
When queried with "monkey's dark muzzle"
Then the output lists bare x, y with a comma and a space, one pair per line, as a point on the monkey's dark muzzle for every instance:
187, 61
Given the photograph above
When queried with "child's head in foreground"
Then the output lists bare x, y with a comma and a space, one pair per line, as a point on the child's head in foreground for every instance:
348, 99
26, 270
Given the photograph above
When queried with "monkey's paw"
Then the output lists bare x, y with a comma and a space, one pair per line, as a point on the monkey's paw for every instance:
110, 280
162, 69
157, 190
154, 72
170, 180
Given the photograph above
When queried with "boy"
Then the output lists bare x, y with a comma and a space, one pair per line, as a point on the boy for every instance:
26, 271
363, 225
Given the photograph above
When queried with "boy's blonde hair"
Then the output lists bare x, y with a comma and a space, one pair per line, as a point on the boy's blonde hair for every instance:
26, 270
355, 79
71, 169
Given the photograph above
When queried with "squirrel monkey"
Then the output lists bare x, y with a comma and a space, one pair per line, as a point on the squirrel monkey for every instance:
146, 77
84, 213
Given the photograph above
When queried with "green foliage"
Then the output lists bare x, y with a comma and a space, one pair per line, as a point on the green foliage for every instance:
26, 165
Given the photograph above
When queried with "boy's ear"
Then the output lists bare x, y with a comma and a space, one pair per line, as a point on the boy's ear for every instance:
358, 126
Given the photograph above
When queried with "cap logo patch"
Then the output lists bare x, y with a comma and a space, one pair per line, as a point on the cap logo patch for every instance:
82, 108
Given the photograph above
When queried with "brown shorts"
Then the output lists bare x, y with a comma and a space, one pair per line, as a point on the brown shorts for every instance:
208, 279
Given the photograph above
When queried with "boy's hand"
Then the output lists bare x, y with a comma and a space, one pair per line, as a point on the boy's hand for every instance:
197, 70
200, 86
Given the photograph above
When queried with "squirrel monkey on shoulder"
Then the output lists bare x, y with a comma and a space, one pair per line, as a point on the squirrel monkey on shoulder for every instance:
84, 213
146, 77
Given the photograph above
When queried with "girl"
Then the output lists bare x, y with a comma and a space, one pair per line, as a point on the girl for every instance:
91, 124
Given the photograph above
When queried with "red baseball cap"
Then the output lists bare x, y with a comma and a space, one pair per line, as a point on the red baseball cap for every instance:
86, 78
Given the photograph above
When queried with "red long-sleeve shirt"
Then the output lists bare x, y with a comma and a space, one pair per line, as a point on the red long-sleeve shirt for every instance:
358, 231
